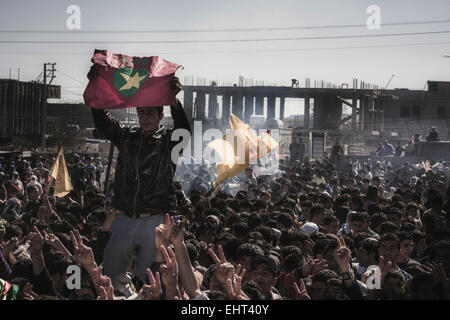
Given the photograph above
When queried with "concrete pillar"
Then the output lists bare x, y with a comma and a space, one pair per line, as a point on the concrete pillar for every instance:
200, 106
367, 107
238, 106
354, 126
212, 106
373, 114
335, 115
226, 99
306, 123
362, 114
249, 107
188, 102
318, 117
259, 105
282, 101
271, 107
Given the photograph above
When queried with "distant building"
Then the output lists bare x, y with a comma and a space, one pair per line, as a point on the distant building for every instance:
21, 109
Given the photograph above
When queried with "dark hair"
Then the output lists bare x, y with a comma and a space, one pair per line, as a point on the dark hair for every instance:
358, 201
417, 235
240, 229
329, 219
441, 245
359, 216
390, 237
316, 209
292, 262
266, 232
288, 250
57, 263
160, 109
374, 208
396, 274
372, 193
377, 219
254, 220
285, 219
248, 250
387, 227
371, 245
324, 276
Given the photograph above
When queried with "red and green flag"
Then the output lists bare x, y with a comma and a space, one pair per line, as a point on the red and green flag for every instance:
123, 81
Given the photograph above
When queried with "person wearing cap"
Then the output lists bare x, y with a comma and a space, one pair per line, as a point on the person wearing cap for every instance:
263, 272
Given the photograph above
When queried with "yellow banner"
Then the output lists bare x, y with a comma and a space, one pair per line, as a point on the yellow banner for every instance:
60, 173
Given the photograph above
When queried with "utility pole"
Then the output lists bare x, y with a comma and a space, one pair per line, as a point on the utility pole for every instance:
44, 99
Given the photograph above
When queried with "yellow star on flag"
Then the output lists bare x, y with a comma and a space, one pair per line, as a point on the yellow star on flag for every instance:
132, 82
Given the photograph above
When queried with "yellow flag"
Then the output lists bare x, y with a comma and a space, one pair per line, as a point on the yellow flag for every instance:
239, 148
61, 175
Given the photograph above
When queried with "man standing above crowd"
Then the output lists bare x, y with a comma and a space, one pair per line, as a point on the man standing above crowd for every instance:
143, 180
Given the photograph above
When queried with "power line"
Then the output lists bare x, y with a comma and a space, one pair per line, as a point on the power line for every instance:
230, 40
72, 92
244, 51
256, 29
70, 77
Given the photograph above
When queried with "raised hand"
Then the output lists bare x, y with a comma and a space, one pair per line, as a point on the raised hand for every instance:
53, 241
92, 73
111, 215
217, 259
28, 293
152, 291
384, 268
11, 245
176, 85
169, 271
164, 231
342, 255
177, 235
225, 270
36, 240
98, 279
314, 266
83, 254
106, 291
45, 211
235, 292
436, 270
300, 291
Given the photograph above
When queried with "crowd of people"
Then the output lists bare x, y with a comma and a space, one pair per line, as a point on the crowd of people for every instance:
304, 232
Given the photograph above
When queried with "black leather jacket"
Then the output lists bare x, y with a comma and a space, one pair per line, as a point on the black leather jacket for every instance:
144, 170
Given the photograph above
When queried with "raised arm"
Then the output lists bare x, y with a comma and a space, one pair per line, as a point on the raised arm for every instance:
105, 122
109, 126
180, 120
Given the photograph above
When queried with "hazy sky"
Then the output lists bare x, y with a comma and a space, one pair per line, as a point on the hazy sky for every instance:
414, 59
